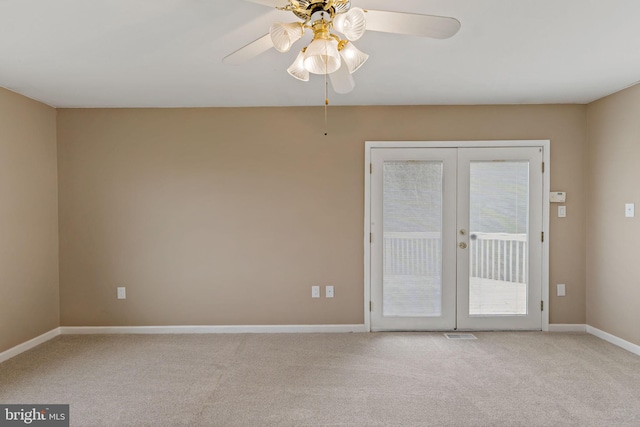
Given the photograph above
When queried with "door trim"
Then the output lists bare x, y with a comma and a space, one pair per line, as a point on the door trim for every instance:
546, 177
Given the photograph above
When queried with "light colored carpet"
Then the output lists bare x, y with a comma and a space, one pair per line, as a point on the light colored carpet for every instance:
378, 379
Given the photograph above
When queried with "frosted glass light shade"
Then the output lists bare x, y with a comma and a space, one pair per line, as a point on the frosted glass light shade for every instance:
352, 24
297, 69
322, 57
284, 36
353, 56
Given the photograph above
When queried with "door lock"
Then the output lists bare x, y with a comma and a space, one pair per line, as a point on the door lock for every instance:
463, 232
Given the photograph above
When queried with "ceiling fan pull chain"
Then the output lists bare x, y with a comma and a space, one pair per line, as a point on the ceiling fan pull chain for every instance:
326, 94
326, 105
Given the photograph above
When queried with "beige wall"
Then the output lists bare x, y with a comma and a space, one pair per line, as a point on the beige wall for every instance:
29, 304
229, 216
614, 179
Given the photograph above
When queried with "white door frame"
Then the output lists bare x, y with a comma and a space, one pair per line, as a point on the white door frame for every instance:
546, 149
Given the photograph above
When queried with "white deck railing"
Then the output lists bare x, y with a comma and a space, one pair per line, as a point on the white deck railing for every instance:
494, 256
498, 256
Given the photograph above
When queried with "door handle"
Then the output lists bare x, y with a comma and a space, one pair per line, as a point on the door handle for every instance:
462, 245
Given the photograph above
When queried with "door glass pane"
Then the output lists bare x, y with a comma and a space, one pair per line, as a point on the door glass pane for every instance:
498, 241
412, 212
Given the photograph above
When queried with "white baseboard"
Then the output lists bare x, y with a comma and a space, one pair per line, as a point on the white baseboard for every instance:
629, 346
240, 329
250, 329
568, 327
21, 348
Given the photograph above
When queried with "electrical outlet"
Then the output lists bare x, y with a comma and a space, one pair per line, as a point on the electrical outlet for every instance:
122, 293
315, 292
328, 291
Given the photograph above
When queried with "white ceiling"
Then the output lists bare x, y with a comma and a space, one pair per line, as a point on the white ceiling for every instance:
162, 53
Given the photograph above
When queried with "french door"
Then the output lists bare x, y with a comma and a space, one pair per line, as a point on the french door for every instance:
456, 238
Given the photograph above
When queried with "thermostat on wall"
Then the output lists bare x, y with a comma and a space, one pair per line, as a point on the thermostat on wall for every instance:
558, 197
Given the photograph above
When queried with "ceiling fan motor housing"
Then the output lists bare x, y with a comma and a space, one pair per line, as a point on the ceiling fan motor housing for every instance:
304, 9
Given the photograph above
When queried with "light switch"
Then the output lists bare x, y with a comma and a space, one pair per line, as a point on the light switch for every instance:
562, 290
315, 292
630, 210
328, 291
562, 211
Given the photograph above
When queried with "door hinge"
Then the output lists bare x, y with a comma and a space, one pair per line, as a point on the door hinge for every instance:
542, 236
370, 237
542, 167
541, 305
370, 306
370, 168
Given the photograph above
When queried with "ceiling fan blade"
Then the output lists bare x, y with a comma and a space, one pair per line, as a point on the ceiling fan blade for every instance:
342, 80
439, 27
270, 3
249, 51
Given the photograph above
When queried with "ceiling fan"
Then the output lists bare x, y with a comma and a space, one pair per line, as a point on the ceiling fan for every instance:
335, 25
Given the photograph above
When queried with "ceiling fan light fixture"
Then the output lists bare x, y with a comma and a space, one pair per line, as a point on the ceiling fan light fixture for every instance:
284, 35
297, 69
352, 56
335, 24
352, 24
322, 56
